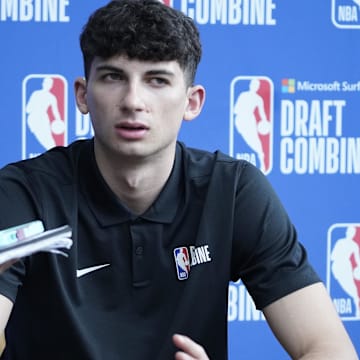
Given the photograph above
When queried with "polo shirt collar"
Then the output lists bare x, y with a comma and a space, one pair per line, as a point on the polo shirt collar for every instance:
107, 208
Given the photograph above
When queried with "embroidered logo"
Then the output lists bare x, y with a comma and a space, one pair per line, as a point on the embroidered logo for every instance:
182, 262
84, 271
186, 258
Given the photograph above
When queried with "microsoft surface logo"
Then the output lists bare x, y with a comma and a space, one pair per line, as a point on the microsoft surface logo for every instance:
288, 86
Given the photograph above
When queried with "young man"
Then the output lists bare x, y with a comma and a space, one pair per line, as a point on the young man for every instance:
159, 230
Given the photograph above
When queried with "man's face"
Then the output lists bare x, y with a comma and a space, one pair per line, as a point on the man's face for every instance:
136, 106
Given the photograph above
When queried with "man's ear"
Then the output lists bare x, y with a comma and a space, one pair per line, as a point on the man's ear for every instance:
80, 95
196, 99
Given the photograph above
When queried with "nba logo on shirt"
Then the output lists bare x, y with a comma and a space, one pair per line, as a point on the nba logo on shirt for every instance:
182, 262
251, 120
345, 14
343, 269
44, 113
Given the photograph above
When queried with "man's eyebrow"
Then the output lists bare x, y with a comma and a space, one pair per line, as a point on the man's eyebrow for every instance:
106, 67
160, 72
153, 72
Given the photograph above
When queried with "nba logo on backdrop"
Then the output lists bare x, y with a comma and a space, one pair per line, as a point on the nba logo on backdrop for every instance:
343, 269
168, 2
345, 14
182, 262
44, 113
251, 120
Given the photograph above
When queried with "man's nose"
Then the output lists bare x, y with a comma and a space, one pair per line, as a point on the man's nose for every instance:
133, 98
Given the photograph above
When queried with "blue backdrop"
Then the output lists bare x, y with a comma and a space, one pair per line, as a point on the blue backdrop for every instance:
294, 64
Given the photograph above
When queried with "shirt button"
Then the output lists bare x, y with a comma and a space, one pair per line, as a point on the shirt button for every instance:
139, 250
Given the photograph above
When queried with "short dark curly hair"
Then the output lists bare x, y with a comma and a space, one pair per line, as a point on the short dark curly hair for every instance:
144, 30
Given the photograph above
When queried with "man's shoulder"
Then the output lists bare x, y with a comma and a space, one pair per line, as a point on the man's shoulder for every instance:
56, 162
204, 163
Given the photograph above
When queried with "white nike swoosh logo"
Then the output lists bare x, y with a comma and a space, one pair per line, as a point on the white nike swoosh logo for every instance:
84, 271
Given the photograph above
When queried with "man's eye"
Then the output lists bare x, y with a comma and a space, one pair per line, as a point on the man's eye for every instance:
113, 76
158, 81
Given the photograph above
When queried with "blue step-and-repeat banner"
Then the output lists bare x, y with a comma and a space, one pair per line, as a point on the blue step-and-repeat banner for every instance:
294, 64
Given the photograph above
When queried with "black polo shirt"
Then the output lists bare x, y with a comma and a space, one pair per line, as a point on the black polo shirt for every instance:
130, 282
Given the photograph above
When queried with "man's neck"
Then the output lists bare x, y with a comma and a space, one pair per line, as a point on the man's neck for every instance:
137, 183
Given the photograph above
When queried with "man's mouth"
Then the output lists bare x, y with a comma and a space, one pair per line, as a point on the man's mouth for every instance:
132, 131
